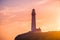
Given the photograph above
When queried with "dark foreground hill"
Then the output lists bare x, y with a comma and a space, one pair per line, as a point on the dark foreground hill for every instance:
39, 36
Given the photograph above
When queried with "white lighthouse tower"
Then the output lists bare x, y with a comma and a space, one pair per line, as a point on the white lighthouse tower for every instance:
33, 23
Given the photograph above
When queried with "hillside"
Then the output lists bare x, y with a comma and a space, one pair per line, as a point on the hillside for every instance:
39, 36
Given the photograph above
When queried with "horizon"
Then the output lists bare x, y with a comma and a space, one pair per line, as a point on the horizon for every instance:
15, 16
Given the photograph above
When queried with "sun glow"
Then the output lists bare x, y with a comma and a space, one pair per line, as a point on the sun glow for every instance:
58, 19
58, 28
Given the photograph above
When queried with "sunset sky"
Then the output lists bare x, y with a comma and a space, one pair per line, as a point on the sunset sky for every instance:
15, 16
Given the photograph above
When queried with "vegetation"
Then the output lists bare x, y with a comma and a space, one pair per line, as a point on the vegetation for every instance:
39, 36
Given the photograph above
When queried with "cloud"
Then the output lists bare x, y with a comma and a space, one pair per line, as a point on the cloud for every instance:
1, 5
17, 2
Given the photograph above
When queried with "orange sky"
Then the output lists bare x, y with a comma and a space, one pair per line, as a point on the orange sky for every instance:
15, 16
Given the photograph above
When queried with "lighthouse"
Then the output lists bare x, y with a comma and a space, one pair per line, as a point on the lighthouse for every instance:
33, 23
